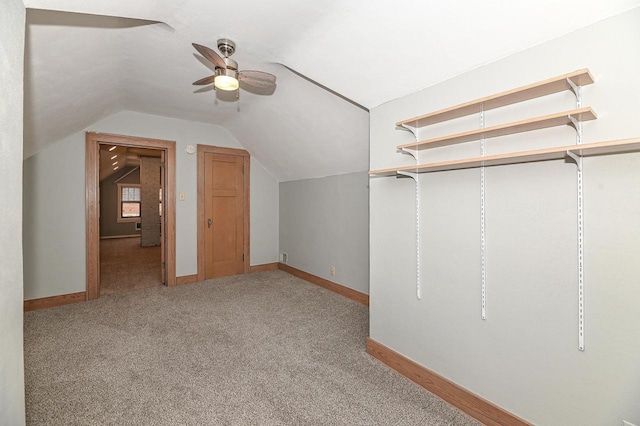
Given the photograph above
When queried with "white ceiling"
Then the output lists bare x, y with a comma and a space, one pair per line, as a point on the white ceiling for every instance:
82, 68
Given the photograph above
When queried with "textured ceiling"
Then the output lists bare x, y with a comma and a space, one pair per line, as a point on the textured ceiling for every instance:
86, 65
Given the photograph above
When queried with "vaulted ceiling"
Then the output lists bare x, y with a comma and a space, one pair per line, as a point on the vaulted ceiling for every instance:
333, 59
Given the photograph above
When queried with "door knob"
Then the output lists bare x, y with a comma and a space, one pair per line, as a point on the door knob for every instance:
209, 222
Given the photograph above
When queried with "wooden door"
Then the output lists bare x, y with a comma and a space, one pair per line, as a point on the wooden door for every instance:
223, 215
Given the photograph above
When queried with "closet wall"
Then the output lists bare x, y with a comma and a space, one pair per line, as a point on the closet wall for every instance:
524, 357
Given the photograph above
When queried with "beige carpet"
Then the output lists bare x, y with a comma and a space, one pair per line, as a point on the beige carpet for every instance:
258, 349
124, 265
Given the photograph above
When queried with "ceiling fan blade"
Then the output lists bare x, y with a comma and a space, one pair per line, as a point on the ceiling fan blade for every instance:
203, 81
258, 84
256, 76
212, 56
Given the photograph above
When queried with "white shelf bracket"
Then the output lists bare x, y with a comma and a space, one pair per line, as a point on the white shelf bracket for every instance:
576, 158
576, 124
412, 175
411, 152
413, 130
577, 90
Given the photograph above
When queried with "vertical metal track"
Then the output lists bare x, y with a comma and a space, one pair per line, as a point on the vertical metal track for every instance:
418, 280
577, 90
482, 226
580, 263
416, 178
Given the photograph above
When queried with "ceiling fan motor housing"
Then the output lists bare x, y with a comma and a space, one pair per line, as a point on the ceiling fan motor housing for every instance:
231, 70
228, 72
230, 63
226, 47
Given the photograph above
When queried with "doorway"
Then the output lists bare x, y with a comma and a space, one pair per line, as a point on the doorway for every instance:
223, 212
131, 212
162, 154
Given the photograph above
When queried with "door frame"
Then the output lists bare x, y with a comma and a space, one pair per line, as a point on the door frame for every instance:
209, 149
92, 187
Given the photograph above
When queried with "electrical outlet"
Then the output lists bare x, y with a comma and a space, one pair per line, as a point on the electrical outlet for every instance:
626, 423
181, 196
332, 270
284, 257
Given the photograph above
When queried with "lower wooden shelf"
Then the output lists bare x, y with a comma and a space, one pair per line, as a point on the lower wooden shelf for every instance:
557, 153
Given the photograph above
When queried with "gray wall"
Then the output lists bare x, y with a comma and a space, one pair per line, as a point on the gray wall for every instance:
109, 225
525, 356
264, 221
12, 27
55, 255
324, 223
54, 231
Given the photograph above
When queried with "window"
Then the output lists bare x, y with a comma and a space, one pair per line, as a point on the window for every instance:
128, 202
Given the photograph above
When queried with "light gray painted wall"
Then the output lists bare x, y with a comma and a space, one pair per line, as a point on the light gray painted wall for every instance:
109, 225
324, 223
265, 221
54, 220
525, 356
12, 22
56, 254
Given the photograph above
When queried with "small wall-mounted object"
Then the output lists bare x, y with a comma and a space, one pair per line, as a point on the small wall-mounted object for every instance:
190, 149
138, 226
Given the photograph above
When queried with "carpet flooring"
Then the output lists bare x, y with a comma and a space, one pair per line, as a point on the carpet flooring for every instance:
258, 349
125, 265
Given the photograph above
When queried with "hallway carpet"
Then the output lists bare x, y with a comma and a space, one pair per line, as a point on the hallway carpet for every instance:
258, 349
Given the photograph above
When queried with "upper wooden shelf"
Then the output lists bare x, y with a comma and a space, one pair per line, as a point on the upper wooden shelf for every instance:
552, 120
553, 85
557, 153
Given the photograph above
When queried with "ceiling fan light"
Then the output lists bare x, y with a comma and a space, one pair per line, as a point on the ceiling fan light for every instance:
226, 82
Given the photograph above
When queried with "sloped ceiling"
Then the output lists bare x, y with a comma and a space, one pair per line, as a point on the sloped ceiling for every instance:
87, 60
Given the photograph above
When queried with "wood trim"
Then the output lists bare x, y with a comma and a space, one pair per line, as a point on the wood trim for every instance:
475, 406
202, 149
264, 267
170, 212
53, 301
92, 212
187, 279
247, 213
542, 88
92, 166
329, 285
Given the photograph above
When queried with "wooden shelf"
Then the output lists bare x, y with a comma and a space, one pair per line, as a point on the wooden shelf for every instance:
557, 153
552, 120
553, 85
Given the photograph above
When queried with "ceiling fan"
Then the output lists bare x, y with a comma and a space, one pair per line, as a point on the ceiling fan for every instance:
227, 76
